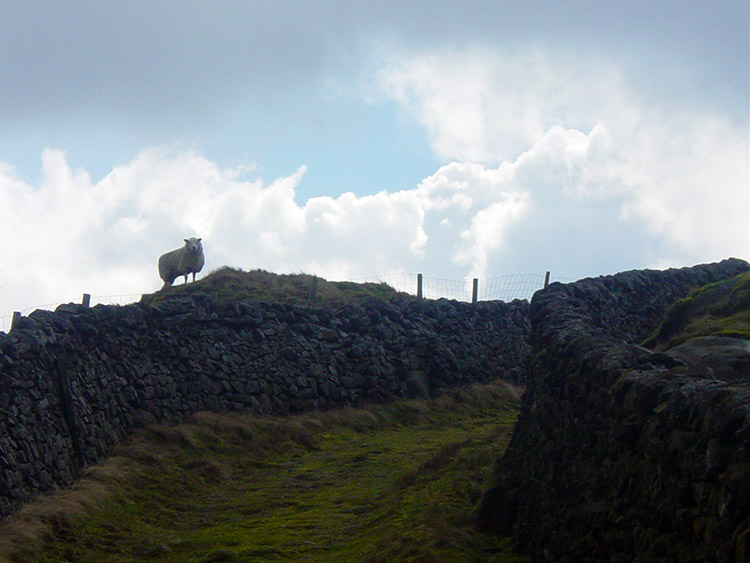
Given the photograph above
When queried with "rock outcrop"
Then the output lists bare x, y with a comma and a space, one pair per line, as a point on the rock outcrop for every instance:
620, 453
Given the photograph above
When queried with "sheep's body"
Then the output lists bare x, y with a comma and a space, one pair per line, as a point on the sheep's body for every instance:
186, 260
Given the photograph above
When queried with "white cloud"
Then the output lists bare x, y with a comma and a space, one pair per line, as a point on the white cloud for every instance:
481, 105
71, 236
550, 164
468, 209
485, 234
573, 136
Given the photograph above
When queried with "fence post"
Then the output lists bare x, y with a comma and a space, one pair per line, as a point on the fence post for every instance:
475, 290
16, 315
69, 414
546, 280
313, 291
86, 301
419, 286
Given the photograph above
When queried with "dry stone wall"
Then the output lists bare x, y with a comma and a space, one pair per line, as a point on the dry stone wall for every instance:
621, 454
73, 382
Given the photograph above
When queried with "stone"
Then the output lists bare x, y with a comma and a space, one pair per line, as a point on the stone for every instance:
139, 364
727, 359
632, 455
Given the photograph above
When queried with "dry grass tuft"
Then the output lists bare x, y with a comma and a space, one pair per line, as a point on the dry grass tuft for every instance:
22, 533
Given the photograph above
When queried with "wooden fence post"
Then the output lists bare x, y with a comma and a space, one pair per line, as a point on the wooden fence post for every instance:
546, 280
86, 301
16, 315
419, 286
475, 290
68, 412
313, 292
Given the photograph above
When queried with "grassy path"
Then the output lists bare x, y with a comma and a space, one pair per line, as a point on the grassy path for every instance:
399, 482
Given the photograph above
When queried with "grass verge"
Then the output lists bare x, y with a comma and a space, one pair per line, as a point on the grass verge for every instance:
397, 482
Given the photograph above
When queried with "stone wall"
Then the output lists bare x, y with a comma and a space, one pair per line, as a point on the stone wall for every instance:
620, 454
75, 381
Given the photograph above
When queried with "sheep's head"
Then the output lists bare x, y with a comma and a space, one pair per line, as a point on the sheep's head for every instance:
193, 245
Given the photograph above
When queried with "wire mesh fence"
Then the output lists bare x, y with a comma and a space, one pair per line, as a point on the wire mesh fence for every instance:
6, 321
432, 288
115, 299
500, 288
510, 287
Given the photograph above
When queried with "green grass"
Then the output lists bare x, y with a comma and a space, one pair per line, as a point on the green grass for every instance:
228, 284
718, 309
398, 482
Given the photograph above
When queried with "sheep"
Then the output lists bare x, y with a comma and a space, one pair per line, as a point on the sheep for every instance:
182, 261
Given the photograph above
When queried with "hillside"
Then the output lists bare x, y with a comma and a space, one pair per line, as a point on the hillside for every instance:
390, 482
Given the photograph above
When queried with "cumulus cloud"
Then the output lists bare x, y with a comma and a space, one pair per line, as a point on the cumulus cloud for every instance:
547, 164
483, 105
579, 143
70, 235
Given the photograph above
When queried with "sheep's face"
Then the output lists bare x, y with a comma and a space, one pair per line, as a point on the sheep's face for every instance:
193, 245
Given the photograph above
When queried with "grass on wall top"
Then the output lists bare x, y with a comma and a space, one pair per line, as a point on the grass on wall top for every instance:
717, 309
233, 284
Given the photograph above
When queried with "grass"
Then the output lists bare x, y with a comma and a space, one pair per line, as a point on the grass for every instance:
228, 284
718, 309
397, 482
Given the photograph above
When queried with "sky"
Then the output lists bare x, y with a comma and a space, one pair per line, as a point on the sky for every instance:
352, 139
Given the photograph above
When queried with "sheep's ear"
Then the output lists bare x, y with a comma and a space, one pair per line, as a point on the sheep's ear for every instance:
186, 240
200, 239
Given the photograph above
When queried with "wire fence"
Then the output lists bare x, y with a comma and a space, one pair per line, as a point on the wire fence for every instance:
6, 321
502, 288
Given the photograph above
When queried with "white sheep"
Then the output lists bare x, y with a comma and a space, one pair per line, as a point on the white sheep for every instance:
186, 260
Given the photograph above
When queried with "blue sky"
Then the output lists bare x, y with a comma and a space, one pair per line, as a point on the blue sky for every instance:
350, 139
